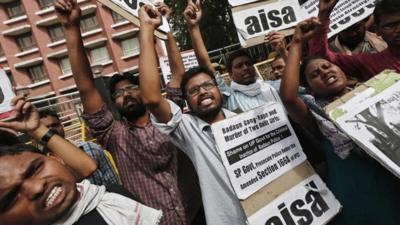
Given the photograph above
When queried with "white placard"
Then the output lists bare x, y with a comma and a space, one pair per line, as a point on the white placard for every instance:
259, 20
133, 6
240, 2
345, 13
257, 147
374, 124
309, 202
6, 95
189, 61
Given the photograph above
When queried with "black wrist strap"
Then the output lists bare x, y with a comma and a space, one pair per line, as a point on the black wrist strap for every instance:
46, 137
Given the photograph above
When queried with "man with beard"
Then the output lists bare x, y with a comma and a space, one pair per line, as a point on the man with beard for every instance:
365, 65
146, 159
190, 132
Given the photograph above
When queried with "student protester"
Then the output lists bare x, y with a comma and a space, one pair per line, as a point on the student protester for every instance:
246, 91
190, 132
277, 41
146, 159
363, 66
105, 173
41, 190
368, 192
356, 40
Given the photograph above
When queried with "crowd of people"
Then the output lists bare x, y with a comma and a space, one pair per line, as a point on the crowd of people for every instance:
154, 183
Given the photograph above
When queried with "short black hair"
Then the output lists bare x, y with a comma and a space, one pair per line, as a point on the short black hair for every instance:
303, 66
192, 73
383, 7
118, 77
236, 54
48, 112
8, 138
18, 149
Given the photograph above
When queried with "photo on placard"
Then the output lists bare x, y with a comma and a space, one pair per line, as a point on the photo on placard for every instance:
381, 125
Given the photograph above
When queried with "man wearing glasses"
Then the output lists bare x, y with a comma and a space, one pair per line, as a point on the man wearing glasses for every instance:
190, 132
146, 159
363, 66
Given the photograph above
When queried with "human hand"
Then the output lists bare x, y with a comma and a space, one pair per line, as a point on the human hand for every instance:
149, 17
27, 117
306, 29
163, 9
192, 13
325, 8
276, 40
68, 12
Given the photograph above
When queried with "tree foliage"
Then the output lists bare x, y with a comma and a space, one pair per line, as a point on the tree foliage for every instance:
216, 25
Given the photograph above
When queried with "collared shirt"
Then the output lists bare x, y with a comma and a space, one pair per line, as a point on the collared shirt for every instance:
195, 138
105, 174
236, 100
147, 162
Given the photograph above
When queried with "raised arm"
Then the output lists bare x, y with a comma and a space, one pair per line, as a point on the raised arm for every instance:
277, 41
149, 77
28, 121
174, 55
192, 15
69, 14
295, 106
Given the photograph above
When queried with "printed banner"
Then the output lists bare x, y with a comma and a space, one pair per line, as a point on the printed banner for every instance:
345, 13
373, 122
189, 61
309, 202
6, 95
257, 147
256, 21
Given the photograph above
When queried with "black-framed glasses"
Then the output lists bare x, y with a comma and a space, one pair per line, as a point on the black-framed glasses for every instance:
206, 85
128, 89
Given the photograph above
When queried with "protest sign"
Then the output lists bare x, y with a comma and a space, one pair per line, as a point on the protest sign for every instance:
309, 202
345, 13
6, 95
189, 61
129, 9
257, 147
240, 2
370, 116
254, 20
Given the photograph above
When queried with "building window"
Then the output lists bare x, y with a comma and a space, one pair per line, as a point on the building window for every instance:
130, 46
10, 77
45, 3
65, 66
25, 42
56, 33
14, 9
116, 17
37, 73
88, 23
1, 51
99, 55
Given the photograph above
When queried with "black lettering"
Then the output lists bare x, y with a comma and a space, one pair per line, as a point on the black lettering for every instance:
132, 3
274, 221
358, 12
296, 210
263, 19
288, 15
345, 20
274, 16
318, 206
253, 25
286, 214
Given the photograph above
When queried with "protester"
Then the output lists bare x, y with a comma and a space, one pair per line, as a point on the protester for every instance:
41, 190
368, 192
363, 66
246, 91
146, 159
190, 132
105, 173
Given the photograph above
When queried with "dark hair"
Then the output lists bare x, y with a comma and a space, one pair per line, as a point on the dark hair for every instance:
8, 138
236, 54
303, 66
192, 73
17, 149
118, 77
48, 112
385, 7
